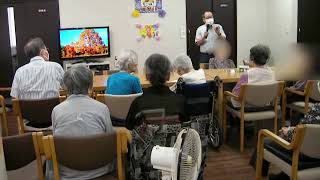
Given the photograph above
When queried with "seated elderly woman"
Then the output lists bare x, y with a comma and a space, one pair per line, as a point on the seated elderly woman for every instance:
158, 96
80, 115
183, 66
221, 53
123, 82
259, 72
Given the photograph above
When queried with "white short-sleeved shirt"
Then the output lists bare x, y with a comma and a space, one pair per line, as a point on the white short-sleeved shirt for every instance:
38, 79
208, 46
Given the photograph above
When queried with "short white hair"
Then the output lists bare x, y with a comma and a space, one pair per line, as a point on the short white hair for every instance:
183, 62
127, 57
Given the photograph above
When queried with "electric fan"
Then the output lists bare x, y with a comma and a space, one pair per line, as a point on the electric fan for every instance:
183, 160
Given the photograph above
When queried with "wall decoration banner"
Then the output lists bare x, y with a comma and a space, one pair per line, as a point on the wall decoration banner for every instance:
148, 6
148, 31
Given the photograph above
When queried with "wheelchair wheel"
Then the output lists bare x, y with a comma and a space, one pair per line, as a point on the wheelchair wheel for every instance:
215, 134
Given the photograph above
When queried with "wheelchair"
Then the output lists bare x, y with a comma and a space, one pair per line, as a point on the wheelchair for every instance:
155, 128
200, 110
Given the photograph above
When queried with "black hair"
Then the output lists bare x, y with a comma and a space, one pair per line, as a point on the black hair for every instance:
33, 47
207, 11
158, 68
260, 54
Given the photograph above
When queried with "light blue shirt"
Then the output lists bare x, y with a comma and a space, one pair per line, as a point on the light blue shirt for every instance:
123, 83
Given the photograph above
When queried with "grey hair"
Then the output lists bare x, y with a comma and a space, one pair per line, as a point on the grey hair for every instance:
158, 69
183, 62
127, 57
78, 80
33, 47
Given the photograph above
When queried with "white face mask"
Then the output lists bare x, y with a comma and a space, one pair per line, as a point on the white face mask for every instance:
210, 21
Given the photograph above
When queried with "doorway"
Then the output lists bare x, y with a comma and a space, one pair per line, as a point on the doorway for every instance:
308, 21
224, 13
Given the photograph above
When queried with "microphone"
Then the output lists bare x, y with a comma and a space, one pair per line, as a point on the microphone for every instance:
209, 27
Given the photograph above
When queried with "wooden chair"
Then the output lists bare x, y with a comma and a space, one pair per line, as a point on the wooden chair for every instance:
3, 171
39, 152
118, 105
20, 157
253, 99
204, 65
36, 111
5, 92
304, 142
310, 92
72, 152
3, 114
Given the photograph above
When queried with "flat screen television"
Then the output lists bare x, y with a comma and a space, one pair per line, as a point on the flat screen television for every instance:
89, 42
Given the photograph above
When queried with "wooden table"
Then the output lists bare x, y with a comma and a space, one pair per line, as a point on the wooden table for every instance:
222, 76
100, 80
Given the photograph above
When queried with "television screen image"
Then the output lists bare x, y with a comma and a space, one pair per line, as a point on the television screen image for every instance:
84, 43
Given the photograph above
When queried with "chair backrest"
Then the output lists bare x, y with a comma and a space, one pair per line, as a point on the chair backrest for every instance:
155, 128
315, 91
3, 117
198, 98
156, 117
311, 144
38, 112
261, 94
39, 151
18, 151
110, 72
118, 105
86, 153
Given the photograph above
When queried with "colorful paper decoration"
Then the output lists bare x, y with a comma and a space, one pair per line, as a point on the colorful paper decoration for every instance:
162, 13
148, 31
135, 14
148, 6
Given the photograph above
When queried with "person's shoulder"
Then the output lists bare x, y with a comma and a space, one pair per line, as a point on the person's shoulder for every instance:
23, 68
133, 76
230, 61
60, 106
96, 103
54, 64
19, 70
201, 28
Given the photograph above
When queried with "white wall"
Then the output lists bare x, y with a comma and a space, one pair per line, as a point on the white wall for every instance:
252, 26
271, 22
282, 25
123, 32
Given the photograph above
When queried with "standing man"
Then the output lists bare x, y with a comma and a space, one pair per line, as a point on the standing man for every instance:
40, 78
207, 35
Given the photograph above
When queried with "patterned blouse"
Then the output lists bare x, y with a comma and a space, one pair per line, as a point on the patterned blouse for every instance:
221, 64
313, 117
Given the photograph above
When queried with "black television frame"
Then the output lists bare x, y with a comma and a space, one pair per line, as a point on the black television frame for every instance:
85, 57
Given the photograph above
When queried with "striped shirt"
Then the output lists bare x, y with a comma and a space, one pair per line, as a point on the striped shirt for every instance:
38, 79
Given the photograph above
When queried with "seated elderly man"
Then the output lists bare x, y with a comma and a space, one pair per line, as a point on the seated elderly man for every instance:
158, 96
123, 83
183, 66
39, 79
80, 115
